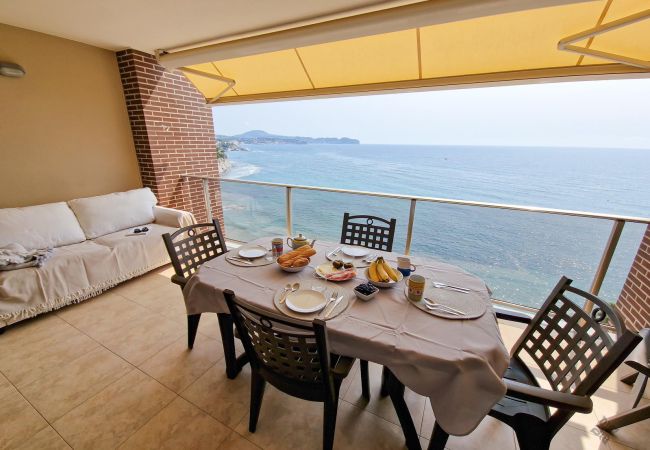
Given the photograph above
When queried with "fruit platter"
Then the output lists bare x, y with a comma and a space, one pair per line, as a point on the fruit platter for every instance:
296, 260
336, 271
381, 274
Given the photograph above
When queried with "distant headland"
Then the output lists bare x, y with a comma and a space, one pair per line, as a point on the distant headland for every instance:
233, 143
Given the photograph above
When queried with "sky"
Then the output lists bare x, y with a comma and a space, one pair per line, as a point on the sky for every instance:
606, 113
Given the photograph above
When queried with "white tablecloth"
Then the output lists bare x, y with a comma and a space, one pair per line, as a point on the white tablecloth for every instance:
458, 364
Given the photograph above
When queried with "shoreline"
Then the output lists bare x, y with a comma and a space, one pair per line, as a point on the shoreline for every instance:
223, 166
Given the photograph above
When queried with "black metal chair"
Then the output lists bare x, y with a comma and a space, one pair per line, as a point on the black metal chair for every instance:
573, 352
639, 361
291, 356
368, 231
188, 249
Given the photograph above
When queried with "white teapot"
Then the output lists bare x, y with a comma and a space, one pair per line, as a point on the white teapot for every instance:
299, 241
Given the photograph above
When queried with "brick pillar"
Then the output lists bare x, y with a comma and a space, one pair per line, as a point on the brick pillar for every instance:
634, 302
173, 133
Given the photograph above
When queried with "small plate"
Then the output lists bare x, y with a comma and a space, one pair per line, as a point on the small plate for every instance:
252, 252
355, 252
305, 301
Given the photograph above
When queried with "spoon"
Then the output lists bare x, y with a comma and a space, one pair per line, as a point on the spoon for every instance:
433, 304
287, 288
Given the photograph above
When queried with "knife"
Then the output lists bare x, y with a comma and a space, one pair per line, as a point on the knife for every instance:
241, 260
336, 303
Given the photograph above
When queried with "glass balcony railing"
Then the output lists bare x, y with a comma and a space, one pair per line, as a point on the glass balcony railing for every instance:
520, 251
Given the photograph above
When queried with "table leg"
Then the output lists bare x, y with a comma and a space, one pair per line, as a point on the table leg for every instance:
234, 363
438, 438
395, 389
384, 382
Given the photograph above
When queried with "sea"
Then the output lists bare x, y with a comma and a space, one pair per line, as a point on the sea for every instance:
520, 255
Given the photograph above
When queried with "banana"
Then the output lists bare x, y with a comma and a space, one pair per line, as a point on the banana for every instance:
372, 272
392, 273
383, 276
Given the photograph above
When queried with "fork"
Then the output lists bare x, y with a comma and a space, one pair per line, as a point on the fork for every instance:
333, 297
370, 258
333, 253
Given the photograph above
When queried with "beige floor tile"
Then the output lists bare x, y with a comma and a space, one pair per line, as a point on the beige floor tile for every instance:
32, 332
176, 366
179, 425
285, 422
136, 287
46, 439
490, 430
235, 441
358, 429
636, 435
382, 406
208, 325
139, 340
69, 385
110, 417
162, 298
497, 434
23, 364
18, 420
6, 387
347, 381
572, 438
510, 332
99, 317
225, 400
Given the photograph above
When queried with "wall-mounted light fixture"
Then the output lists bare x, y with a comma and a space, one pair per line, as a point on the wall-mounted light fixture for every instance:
8, 69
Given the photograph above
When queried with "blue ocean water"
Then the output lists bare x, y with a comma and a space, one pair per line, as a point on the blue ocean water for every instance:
519, 254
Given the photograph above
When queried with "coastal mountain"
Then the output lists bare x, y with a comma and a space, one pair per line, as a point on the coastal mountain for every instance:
262, 137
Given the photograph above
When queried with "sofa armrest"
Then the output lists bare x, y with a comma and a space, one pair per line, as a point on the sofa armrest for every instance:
172, 217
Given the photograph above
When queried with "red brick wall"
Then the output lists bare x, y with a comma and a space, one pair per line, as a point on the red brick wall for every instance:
173, 133
634, 302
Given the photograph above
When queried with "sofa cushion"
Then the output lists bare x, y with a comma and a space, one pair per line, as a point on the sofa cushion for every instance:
40, 226
136, 251
106, 214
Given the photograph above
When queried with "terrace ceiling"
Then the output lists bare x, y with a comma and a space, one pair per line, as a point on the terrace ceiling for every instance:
255, 50
432, 48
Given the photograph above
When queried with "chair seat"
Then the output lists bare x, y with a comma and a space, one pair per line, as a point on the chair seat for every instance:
509, 407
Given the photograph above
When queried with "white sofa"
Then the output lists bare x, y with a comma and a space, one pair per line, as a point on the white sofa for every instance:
92, 249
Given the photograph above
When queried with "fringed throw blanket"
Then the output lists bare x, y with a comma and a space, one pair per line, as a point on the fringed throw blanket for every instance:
15, 256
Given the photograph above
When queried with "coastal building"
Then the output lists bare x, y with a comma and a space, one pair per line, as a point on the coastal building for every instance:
104, 98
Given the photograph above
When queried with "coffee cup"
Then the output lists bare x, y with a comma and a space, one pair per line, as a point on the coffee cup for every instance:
404, 266
416, 285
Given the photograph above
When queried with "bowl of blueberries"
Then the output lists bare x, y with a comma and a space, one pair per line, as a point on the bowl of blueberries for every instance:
366, 291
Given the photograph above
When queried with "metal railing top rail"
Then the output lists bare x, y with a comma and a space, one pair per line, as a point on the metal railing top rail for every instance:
535, 209
601, 271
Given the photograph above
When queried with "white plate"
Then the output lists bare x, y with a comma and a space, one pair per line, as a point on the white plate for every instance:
355, 252
252, 252
326, 270
305, 301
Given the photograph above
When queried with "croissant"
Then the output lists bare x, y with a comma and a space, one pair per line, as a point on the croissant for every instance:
300, 262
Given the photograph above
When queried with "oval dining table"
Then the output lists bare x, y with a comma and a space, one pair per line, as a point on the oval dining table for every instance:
458, 364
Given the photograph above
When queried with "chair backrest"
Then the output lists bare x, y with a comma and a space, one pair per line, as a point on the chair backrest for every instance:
191, 246
283, 351
571, 348
368, 231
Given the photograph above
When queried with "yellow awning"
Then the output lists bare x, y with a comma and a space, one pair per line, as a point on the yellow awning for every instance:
519, 46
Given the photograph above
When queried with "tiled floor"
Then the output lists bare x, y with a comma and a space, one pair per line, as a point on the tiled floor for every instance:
115, 371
